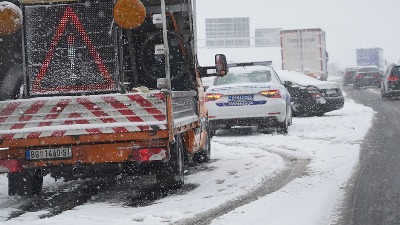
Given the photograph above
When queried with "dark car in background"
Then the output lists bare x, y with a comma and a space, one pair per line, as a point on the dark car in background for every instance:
367, 76
390, 85
311, 97
348, 75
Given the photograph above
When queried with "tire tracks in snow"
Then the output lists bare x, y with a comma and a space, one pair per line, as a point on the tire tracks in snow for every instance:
70, 195
294, 168
54, 202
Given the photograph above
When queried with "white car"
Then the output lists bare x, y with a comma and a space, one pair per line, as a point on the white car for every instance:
251, 94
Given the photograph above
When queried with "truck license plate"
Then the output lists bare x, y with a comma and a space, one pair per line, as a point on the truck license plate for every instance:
54, 153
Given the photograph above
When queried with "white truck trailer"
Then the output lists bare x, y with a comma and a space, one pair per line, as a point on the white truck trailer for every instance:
304, 50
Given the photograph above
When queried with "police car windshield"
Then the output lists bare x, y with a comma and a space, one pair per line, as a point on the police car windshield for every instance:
244, 75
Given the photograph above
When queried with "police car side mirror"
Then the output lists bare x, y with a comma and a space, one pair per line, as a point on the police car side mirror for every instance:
221, 65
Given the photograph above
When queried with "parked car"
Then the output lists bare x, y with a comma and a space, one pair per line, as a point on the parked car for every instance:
251, 94
367, 76
390, 85
311, 97
348, 76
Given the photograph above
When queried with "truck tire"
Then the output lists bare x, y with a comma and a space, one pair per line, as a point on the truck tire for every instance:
25, 184
154, 38
171, 174
204, 155
11, 83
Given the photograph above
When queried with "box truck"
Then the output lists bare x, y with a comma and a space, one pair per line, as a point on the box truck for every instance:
370, 57
304, 50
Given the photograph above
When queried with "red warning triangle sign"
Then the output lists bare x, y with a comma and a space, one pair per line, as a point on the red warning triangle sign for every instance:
70, 15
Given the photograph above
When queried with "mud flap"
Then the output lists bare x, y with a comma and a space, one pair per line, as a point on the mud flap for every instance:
171, 174
204, 155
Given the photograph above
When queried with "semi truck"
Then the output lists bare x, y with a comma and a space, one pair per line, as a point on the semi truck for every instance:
304, 50
370, 57
108, 88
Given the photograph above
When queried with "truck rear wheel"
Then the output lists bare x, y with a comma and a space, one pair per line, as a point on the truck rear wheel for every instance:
171, 174
25, 184
204, 155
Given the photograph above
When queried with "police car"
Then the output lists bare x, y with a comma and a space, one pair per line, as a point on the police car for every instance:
251, 94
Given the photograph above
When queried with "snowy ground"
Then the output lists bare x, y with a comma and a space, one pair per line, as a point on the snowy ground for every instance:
241, 162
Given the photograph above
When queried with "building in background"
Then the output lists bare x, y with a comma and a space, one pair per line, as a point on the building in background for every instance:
235, 38
228, 32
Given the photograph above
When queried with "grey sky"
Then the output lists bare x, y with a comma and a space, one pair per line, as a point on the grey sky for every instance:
349, 24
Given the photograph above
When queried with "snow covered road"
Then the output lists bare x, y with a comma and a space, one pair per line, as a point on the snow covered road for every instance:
242, 164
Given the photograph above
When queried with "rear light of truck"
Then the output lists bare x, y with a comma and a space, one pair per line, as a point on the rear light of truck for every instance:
150, 154
11, 166
377, 75
271, 93
359, 76
213, 97
393, 78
